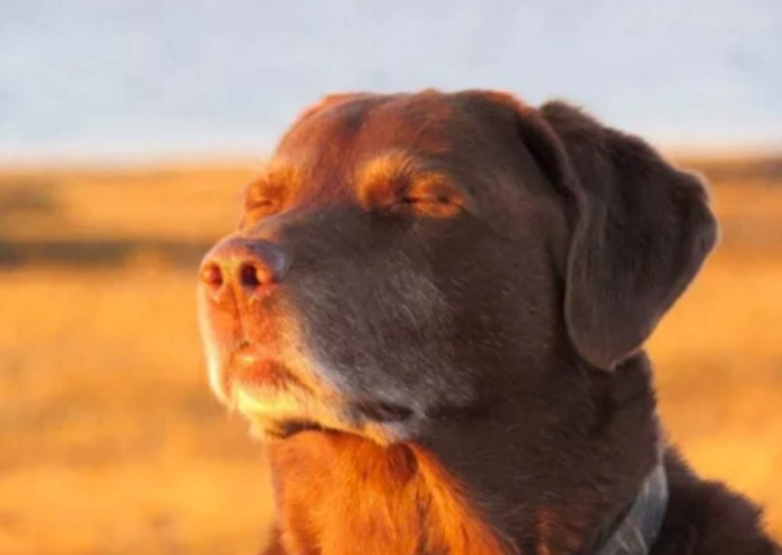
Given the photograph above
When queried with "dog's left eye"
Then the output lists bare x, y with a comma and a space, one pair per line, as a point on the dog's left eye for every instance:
423, 193
435, 204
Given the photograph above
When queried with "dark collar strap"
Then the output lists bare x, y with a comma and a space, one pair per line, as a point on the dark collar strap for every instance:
637, 530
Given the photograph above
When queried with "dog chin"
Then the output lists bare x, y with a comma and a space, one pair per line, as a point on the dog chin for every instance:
278, 413
283, 414
279, 402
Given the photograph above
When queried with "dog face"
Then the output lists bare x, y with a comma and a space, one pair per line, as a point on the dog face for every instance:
407, 259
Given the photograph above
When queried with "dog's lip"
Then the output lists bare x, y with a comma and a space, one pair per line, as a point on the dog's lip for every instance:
252, 365
248, 354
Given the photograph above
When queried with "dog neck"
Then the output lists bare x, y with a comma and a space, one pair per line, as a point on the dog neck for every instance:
399, 499
340, 494
474, 488
635, 529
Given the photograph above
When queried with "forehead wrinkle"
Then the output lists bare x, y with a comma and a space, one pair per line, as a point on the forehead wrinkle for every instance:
326, 147
419, 121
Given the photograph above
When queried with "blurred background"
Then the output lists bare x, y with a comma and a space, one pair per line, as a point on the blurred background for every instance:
128, 127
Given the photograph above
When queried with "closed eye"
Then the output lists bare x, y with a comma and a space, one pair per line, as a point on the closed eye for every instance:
423, 199
434, 204
262, 200
259, 205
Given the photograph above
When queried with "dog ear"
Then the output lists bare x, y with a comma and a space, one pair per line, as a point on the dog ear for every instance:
643, 229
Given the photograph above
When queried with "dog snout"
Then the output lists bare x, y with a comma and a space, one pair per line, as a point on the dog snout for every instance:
248, 267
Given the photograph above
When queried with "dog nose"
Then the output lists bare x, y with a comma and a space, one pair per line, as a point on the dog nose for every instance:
249, 266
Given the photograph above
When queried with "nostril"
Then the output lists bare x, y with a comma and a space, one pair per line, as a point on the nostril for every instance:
248, 275
240, 266
212, 275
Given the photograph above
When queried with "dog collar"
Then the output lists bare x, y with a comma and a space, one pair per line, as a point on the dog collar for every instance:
636, 531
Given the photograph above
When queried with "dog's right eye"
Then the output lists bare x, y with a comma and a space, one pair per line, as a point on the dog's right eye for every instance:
253, 213
262, 200
260, 208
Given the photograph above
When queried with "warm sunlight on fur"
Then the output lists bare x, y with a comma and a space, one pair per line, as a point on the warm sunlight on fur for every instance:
401, 493
112, 442
396, 176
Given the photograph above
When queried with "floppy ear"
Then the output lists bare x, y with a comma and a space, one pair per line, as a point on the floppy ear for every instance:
643, 230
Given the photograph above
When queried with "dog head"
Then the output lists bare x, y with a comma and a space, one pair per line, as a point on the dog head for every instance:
411, 258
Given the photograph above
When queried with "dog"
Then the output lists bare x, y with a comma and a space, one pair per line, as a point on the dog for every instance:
433, 311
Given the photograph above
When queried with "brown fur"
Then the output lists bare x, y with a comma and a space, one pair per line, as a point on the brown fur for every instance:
372, 499
459, 288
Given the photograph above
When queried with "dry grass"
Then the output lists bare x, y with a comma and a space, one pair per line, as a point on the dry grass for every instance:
111, 443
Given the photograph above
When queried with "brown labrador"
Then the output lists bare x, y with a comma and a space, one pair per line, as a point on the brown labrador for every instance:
434, 310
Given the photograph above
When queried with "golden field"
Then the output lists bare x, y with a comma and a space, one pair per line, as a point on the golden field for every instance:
110, 442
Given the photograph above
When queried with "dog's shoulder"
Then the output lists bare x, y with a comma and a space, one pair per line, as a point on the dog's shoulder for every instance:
707, 518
